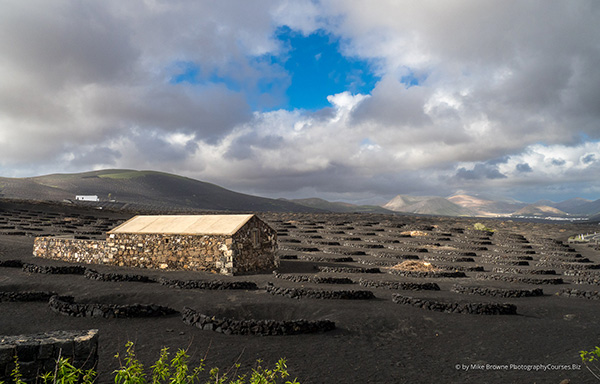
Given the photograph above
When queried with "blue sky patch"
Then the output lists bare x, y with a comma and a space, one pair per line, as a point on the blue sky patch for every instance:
412, 80
309, 69
318, 69
187, 72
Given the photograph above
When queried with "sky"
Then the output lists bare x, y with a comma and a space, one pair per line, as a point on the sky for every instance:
340, 99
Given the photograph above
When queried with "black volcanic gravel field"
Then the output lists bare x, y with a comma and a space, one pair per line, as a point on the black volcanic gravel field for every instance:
513, 306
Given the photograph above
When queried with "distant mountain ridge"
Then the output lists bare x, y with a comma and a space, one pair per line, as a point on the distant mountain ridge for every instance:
164, 191
540, 211
340, 207
466, 205
427, 205
141, 188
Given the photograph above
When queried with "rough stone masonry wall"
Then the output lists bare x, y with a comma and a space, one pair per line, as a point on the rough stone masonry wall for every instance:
160, 251
38, 353
72, 250
250, 256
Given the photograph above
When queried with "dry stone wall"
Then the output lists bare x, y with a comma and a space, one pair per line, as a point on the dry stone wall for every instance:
38, 353
160, 251
254, 327
71, 250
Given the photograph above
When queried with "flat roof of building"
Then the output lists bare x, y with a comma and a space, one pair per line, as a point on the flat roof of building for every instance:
184, 224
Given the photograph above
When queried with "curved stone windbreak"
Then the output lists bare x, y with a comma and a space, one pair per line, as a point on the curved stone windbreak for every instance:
332, 280
209, 285
294, 278
408, 249
16, 296
37, 353
565, 259
346, 259
515, 251
325, 242
400, 285
588, 280
54, 270
314, 279
564, 265
11, 264
118, 277
501, 261
365, 245
378, 263
467, 245
519, 279
254, 327
392, 255
525, 271
591, 295
347, 270
298, 248
446, 252
506, 258
577, 272
302, 293
66, 305
456, 307
497, 292
462, 268
570, 253
433, 274
289, 241
344, 251
453, 259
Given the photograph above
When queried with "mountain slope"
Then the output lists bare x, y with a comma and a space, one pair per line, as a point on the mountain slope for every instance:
148, 188
427, 205
571, 205
339, 206
540, 210
588, 208
486, 207
402, 202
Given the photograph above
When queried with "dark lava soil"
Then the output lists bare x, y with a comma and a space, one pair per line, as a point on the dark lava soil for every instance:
376, 340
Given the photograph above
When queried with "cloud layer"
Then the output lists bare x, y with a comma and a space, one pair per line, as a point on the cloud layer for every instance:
495, 96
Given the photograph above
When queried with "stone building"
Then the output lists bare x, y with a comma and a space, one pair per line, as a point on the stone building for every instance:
226, 244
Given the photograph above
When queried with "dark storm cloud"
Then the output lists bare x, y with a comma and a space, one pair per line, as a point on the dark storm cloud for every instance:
391, 103
480, 171
70, 42
588, 159
523, 168
208, 112
79, 73
244, 146
152, 144
95, 155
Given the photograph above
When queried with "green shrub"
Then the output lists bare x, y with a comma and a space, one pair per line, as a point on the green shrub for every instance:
590, 360
482, 227
66, 373
163, 371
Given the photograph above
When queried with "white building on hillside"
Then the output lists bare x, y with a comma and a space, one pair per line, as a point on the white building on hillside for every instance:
87, 198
